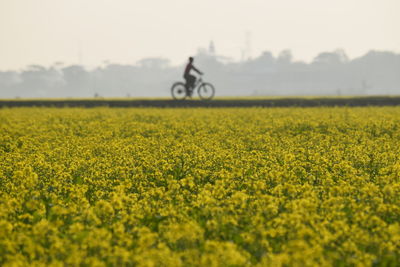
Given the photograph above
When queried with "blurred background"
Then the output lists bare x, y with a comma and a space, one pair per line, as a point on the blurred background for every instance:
121, 48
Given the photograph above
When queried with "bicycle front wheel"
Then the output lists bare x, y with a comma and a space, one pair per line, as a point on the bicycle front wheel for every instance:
206, 91
178, 91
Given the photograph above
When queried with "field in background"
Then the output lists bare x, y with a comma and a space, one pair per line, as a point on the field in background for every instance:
217, 102
200, 187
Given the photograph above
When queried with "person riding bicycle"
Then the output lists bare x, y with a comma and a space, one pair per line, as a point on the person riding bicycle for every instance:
190, 79
183, 90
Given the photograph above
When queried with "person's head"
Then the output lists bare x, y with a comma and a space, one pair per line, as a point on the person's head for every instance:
190, 59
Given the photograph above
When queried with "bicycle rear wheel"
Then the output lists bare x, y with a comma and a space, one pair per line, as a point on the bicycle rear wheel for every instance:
178, 91
206, 91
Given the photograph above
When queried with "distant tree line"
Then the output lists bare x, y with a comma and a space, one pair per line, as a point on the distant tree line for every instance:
330, 73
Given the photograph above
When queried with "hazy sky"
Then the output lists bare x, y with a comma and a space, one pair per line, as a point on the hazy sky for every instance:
124, 31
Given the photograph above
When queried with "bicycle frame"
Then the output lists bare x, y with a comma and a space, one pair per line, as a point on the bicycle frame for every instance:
198, 82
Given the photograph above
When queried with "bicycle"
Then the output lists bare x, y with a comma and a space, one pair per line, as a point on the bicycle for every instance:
205, 90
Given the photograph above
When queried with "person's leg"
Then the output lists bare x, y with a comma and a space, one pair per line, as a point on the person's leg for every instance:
192, 80
187, 82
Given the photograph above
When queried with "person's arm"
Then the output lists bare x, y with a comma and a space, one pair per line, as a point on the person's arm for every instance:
196, 70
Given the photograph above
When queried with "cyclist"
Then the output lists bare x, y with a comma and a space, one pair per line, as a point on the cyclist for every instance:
190, 79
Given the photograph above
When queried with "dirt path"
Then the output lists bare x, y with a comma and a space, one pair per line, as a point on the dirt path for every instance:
272, 102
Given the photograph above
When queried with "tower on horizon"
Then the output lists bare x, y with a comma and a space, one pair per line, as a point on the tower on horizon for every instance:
211, 48
246, 51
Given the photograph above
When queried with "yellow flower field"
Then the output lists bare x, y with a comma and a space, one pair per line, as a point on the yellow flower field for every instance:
200, 187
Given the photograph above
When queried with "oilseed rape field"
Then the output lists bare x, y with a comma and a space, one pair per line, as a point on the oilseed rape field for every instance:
200, 187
